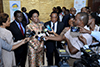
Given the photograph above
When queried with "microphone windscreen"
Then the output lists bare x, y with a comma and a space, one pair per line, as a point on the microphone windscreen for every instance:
33, 33
41, 31
38, 32
45, 30
36, 37
29, 30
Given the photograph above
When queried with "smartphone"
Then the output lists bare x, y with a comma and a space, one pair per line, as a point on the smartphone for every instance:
48, 27
75, 29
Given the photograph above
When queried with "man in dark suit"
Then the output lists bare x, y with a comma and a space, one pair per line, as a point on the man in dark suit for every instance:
66, 18
25, 15
17, 28
53, 45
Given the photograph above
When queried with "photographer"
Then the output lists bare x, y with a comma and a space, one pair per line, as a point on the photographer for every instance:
74, 44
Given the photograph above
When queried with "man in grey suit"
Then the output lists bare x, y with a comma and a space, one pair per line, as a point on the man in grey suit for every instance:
8, 47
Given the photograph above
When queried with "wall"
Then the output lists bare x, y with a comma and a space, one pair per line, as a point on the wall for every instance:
44, 6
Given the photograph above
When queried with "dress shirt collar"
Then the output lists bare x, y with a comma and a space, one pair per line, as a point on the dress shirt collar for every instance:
19, 25
71, 14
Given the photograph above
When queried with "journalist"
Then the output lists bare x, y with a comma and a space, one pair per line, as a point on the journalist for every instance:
8, 47
7, 57
74, 44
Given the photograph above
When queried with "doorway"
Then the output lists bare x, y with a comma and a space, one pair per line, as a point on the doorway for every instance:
94, 4
1, 6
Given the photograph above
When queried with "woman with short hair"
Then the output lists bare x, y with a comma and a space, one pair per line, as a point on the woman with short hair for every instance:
35, 53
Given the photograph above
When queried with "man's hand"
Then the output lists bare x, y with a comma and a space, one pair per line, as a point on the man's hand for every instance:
52, 31
81, 38
46, 38
92, 24
83, 30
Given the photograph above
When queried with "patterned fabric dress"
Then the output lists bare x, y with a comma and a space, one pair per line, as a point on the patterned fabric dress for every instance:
35, 59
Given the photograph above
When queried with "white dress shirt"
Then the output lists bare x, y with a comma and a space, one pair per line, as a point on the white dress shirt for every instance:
55, 27
96, 34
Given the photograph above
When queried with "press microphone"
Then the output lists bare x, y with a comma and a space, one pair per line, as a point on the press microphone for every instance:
46, 31
30, 33
40, 36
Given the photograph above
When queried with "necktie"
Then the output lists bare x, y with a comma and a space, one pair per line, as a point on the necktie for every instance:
53, 26
21, 29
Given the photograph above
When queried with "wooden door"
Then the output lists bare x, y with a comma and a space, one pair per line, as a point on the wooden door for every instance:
94, 4
1, 6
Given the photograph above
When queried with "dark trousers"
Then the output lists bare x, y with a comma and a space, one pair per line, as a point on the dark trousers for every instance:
50, 57
21, 57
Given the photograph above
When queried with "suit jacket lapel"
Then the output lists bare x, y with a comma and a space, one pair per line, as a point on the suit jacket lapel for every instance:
17, 28
50, 23
58, 27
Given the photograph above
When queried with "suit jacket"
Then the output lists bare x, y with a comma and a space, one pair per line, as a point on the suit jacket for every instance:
51, 45
66, 19
24, 18
17, 35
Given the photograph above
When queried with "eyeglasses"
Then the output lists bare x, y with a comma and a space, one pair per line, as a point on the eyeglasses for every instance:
73, 10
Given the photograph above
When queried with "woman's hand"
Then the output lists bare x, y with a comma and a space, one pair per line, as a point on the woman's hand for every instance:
25, 40
39, 50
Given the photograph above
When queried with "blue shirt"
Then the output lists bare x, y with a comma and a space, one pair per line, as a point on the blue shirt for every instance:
96, 34
21, 26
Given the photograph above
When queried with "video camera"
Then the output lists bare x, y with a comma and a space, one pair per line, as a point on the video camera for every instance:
88, 58
44, 32
63, 54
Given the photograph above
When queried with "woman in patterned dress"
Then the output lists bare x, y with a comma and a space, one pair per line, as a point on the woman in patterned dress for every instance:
35, 52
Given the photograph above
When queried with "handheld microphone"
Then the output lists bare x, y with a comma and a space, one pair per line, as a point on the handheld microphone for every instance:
40, 36
30, 33
46, 31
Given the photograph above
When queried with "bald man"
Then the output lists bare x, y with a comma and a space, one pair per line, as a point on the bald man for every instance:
66, 18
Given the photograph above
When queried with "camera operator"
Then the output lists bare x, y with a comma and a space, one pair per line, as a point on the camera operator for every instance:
89, 58
74, 44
